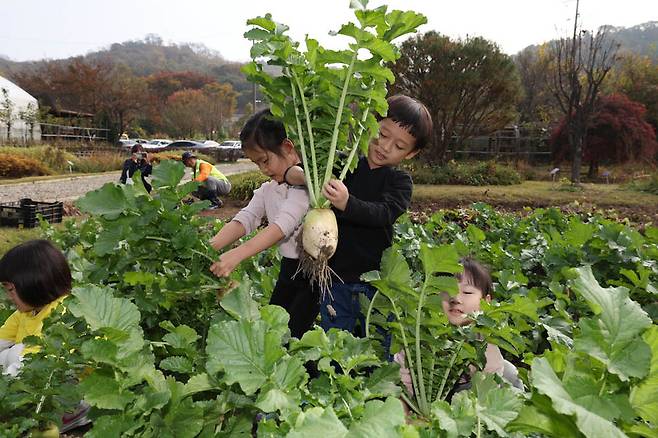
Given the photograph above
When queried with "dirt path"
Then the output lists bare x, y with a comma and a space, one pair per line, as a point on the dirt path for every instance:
67, 189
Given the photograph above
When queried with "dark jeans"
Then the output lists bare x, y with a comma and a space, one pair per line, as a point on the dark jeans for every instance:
300, 299
346, 307
347, 311
212, 188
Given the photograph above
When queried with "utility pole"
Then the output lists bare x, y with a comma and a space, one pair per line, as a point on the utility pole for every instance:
575, 102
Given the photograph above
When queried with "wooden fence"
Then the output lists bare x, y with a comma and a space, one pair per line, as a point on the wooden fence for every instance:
529, 144
52, 132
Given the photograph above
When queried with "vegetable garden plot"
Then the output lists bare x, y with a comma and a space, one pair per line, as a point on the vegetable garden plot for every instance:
156, 354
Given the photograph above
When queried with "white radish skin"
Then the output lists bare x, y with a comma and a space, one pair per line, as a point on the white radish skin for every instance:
319, 238
320, 233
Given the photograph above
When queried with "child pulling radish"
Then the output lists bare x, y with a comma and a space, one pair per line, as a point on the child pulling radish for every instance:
265, 142
366, 205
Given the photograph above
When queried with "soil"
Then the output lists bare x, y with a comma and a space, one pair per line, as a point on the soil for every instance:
639, 215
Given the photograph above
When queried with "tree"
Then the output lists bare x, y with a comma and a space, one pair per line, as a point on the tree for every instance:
469, 86
183, 112
637, 77
7, 114
124, 96
164, 84
617, 132
580, 64
30, 116
222, 101
161, 85
537, 104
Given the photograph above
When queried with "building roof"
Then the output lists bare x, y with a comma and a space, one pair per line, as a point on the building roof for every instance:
17, 95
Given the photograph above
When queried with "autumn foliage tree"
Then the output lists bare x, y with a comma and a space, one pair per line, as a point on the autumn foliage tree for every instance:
222, 100
637, 77
184, 112
109, 91
119, 98
617, 132
164, 84
579, 67
469, 86
124, 98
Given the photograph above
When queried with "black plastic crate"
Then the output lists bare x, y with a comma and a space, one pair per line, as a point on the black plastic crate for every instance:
23, 213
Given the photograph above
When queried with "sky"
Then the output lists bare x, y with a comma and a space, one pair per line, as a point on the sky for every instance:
46, 29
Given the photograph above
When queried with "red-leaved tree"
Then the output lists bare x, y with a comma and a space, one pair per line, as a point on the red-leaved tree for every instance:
617, 132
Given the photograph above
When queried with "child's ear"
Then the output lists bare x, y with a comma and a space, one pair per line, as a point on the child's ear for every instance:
487, 298
412, 154
287, 146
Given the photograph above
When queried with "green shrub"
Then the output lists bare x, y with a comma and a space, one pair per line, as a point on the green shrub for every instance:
244, 184
648, 186
464, 173
16, 166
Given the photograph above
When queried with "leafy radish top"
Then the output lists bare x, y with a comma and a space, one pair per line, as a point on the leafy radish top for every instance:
326, 97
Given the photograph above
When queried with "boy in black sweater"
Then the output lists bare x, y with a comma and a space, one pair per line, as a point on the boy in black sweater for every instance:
367, 204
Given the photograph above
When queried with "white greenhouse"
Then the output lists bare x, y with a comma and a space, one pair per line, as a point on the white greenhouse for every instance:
20, 109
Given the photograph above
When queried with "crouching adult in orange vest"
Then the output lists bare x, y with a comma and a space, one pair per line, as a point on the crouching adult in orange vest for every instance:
213, 183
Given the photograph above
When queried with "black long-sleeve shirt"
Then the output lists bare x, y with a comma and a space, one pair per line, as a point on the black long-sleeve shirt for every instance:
130, 167
378, 197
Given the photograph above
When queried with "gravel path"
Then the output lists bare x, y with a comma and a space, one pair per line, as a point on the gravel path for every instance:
68, 189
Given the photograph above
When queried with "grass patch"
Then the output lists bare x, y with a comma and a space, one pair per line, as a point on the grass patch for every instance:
647, 186
10, 237
469, 173
536, 193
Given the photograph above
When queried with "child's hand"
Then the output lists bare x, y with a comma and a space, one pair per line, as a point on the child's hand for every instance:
336, 192
226, 264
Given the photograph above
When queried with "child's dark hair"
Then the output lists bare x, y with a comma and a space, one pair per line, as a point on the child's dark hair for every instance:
477, 275
263, 131
136, 148
38, 270
412, 115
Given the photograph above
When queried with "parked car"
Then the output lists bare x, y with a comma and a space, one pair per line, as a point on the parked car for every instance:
126, 145
210, 144
221, 152
184, 144
230, 150
231, 144
129, 143
157, 143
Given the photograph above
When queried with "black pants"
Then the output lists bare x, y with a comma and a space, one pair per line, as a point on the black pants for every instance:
300, 299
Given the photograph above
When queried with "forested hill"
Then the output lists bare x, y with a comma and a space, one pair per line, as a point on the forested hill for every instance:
151, 56
641, 39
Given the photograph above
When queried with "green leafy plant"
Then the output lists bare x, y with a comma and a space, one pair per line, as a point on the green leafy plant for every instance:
605, 385
327, 100
148, 343
437, 353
